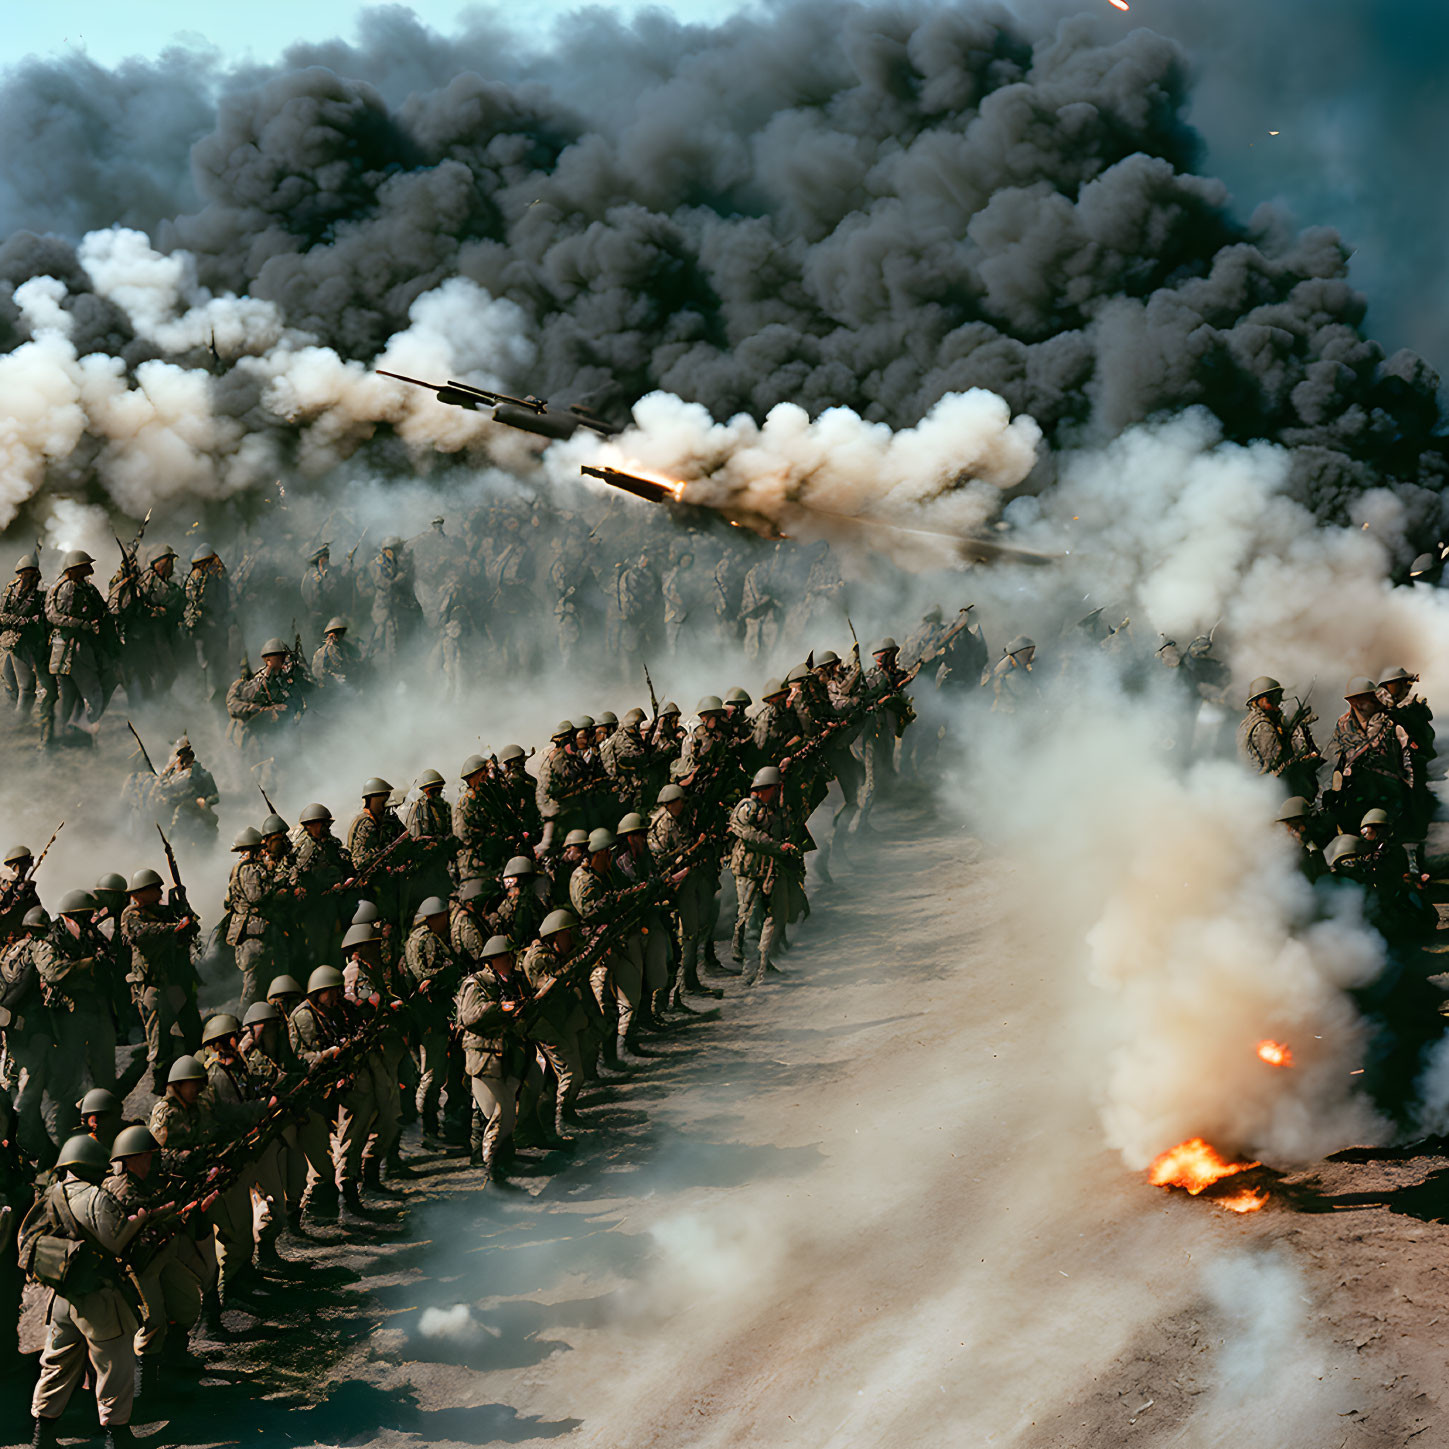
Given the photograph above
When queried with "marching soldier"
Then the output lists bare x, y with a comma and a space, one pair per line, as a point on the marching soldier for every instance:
207, 617
24, 656
759, 860
81, 633
1277, 746
254, 898
494, 1057
163, 980
561, 1022
430, 961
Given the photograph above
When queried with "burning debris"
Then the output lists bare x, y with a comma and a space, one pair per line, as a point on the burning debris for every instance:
1275, 1053
1195, 1166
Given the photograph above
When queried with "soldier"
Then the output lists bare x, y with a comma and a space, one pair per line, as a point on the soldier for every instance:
156, 625
326, 591
81, 633
1293, 817
31, 1059
512, 577
186, 792
207, 617
1412, 713
319, 1031
375, 829
676, 853
626, 761
776, 731
396, 613
618, 980
648, 942
24, 655
760, 860
320, 867
1012, 686
494, 1058
91, 1315
372, 994
736, 719
675, 588
435, 969
100, 1115
760, 610
560, 1019
524, 905
560, 786
254, 898
17, 890
274, 697
163, 980
1373, 760
1276, 746
520, 794
640, 614
171, 1270
474, 826
337, 664
80, 1009
561, 868
430, 824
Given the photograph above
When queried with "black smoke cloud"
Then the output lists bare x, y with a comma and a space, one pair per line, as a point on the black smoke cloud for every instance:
862, 205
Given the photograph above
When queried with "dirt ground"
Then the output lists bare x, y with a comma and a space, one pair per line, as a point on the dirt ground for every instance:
865, 1206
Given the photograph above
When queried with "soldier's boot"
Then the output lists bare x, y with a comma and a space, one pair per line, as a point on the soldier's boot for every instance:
431, 1139
737, 941
268, 1258
822, 864
692, 983
495, 1159
119, 1436
372, 1174
322, 1203
211, 1314
44, 1435
148, 1375
351, 1197
770, 934
396, 1169
623, 1047
294, 1221
475, 1143
561, 1137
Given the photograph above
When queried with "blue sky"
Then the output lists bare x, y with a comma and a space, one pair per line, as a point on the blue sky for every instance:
261, 29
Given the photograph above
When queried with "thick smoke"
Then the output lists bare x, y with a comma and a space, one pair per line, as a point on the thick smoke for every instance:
868, 208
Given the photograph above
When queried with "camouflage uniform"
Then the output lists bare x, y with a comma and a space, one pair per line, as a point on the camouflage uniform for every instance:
254, 901
434, 969
628, 766
80, 629
430, 824
337, 664
620, 975
207, 618
493, 1058
758, 863
31, 1059
1263, 744
176, 793
155, 631
480, 845
163, 982
24, 657
558, 1024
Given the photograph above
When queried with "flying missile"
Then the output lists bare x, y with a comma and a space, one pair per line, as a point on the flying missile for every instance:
528, 414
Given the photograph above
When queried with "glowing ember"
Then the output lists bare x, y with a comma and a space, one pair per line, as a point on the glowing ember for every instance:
1247, 1201
1193, 1165
1275, 1053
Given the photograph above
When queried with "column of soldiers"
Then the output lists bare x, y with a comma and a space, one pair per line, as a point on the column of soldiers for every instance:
1358, 812
472, 965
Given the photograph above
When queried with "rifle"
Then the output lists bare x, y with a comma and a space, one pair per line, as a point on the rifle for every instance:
142, 748
178, 891
13, 888
352, 882
352, 552
271, 809
653, 698
855, 641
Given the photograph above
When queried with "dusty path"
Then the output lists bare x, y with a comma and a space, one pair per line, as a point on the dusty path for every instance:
865, 1207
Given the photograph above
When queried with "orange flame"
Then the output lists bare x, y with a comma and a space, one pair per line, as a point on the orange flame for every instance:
1120, 4
1247, 1201
1275, 1053
1193, 1165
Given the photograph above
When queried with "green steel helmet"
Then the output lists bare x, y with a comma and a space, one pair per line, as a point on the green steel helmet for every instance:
336, 625
83, 1155
669, 709
1344, 847
563, 730
76, 558
519, 865
248, 838
799, 674
887, 645
670, 793
510, 752
111, 884
163, 551
472, 765
633, 717
470, 890
765, 776
273, 825
358, 936
494, 946
827, 658
259, 1012
284, 986
601, 839
584, 722
1020, 644
223, 1024
556, 921
631, 824
16, 853
1374, 817
1359, 686
738, 696
142, 880
274, 646
1425, 563
576, 837
710, 704
132, 1142
608, 718
772, 688
202, 552
429, 777
433, 906
313, 812
27, 561
375, 786
1295, 807
1263, 684
74, 903
185, 1069
323, 978
97, 1102
365, 914
1391, 676
35, 919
